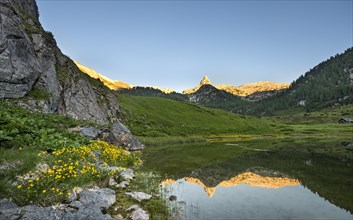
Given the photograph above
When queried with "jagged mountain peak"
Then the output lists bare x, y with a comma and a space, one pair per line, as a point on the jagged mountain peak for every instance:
205, 80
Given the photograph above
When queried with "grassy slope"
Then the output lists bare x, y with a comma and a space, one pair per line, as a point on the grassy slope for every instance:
158, 117
326, 115
151, 116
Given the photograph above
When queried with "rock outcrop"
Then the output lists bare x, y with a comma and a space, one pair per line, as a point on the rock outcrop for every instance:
30, 59
139, 196
90, 205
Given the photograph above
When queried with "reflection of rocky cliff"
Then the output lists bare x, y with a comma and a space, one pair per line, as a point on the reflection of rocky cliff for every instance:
248, 178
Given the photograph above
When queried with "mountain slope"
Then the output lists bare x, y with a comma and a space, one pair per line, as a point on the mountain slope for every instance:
327, 84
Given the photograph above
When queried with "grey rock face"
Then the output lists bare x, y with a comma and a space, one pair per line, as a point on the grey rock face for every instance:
7, 204
45, 51
19, 68
28, 6
139, 196
90, 132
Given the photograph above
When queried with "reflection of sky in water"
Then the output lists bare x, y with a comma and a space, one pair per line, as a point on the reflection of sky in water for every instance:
249, 202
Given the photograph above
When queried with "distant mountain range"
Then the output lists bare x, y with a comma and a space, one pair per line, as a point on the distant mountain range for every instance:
243, 90
327, 84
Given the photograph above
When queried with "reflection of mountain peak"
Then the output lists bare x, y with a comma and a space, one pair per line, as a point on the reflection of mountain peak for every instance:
247, 178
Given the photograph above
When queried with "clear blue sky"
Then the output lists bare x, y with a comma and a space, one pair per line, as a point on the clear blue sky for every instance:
174, 43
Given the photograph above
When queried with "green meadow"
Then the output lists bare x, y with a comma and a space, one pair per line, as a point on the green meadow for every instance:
158, 120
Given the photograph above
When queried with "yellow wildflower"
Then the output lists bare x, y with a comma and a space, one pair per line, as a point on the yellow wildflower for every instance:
19, 186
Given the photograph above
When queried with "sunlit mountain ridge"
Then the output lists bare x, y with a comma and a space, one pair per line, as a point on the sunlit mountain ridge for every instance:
242, 90
112, 84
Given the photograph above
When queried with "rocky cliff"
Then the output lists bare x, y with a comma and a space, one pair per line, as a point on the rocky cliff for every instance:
30, 60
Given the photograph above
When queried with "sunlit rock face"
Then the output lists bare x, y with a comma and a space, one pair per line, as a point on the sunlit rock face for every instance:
247, 178
111, 84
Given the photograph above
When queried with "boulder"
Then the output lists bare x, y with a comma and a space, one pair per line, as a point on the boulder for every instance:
127, 174
139, 196
172, 198
120, 135
102, 198
137, 213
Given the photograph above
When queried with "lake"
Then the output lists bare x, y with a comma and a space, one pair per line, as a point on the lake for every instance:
256, 179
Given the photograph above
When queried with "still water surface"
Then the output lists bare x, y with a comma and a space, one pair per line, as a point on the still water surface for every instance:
267, 179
